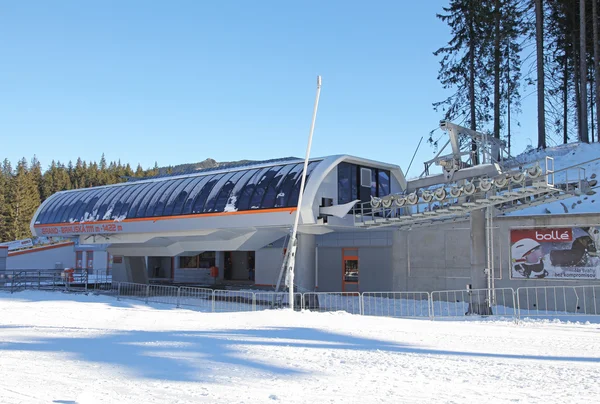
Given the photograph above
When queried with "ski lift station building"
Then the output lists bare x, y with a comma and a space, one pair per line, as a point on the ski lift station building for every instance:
238, 218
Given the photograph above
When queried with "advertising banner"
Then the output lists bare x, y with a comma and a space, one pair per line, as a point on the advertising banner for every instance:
555, 253
18, 244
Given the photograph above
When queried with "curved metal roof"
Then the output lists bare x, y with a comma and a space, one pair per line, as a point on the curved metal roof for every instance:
260, 186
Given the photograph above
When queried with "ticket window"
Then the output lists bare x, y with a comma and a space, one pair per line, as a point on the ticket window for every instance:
350, 270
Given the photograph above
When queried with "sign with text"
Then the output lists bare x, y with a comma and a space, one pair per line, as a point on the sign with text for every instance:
555, 253
83, 228
18, 244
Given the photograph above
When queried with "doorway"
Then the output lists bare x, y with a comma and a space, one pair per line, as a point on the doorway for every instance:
350, 270
160, 268
239, 266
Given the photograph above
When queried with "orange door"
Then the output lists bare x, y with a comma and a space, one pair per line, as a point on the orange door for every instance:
350, 269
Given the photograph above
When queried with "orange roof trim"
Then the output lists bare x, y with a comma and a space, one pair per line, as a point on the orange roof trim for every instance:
37, 249
194, 216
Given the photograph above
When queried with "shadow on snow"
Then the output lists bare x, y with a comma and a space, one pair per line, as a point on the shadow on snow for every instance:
192, 355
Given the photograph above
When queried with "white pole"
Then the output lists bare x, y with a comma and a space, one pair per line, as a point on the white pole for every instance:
293, 241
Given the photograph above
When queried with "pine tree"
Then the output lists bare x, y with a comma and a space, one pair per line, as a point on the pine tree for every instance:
583, 123
36, 174
541, 89
3, 210
5, 192
23, 202
463, 67
595, 41
139, 171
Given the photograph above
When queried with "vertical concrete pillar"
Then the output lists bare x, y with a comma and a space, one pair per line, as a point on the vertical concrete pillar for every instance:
220, 263
136, 269
478, 304
399, 260
304, 270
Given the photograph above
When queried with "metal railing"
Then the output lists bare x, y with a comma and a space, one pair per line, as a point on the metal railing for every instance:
396, 304
473, 302
350, 302
558, 301
538, 301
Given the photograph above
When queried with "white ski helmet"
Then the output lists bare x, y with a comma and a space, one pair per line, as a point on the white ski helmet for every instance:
521, 248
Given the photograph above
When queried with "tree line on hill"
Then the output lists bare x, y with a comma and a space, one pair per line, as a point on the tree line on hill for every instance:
500, 49
24, 187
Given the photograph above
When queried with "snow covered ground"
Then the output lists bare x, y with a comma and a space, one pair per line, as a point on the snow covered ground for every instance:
64, 348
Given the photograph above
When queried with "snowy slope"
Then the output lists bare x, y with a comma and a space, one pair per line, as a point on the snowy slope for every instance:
58, 348
565, 156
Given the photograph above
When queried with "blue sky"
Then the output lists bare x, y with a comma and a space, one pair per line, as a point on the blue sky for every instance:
178, 82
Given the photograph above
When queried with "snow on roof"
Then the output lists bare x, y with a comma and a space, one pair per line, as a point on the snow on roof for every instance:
564, 156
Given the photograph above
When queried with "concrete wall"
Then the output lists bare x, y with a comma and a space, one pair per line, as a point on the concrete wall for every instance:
268, 264
136, 269
431, 258
330, 269
43, 258
119, 270
373, 269
374, 265
437, 257
304, 268
374, 251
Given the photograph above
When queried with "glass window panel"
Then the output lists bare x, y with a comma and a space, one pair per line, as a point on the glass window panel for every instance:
246, 194
70, 213
44, 217
293, 200
261, 187
273, 188
288, 183
354, 176
107, 207
65, 205
384, 183
95, 209
122, 205
135, 199
53, 211
204, 193
105, 200
86, 197
374, 181
162, 201
147, 207
214, 193
138, 207
88, 215
223, 199
179, 194
350, 270
235, 195
193, 194
344, 183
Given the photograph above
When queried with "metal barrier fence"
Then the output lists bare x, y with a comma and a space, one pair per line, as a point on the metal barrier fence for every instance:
396, 304
350, 302
460, 303
276, 300
558, 301
538, 301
